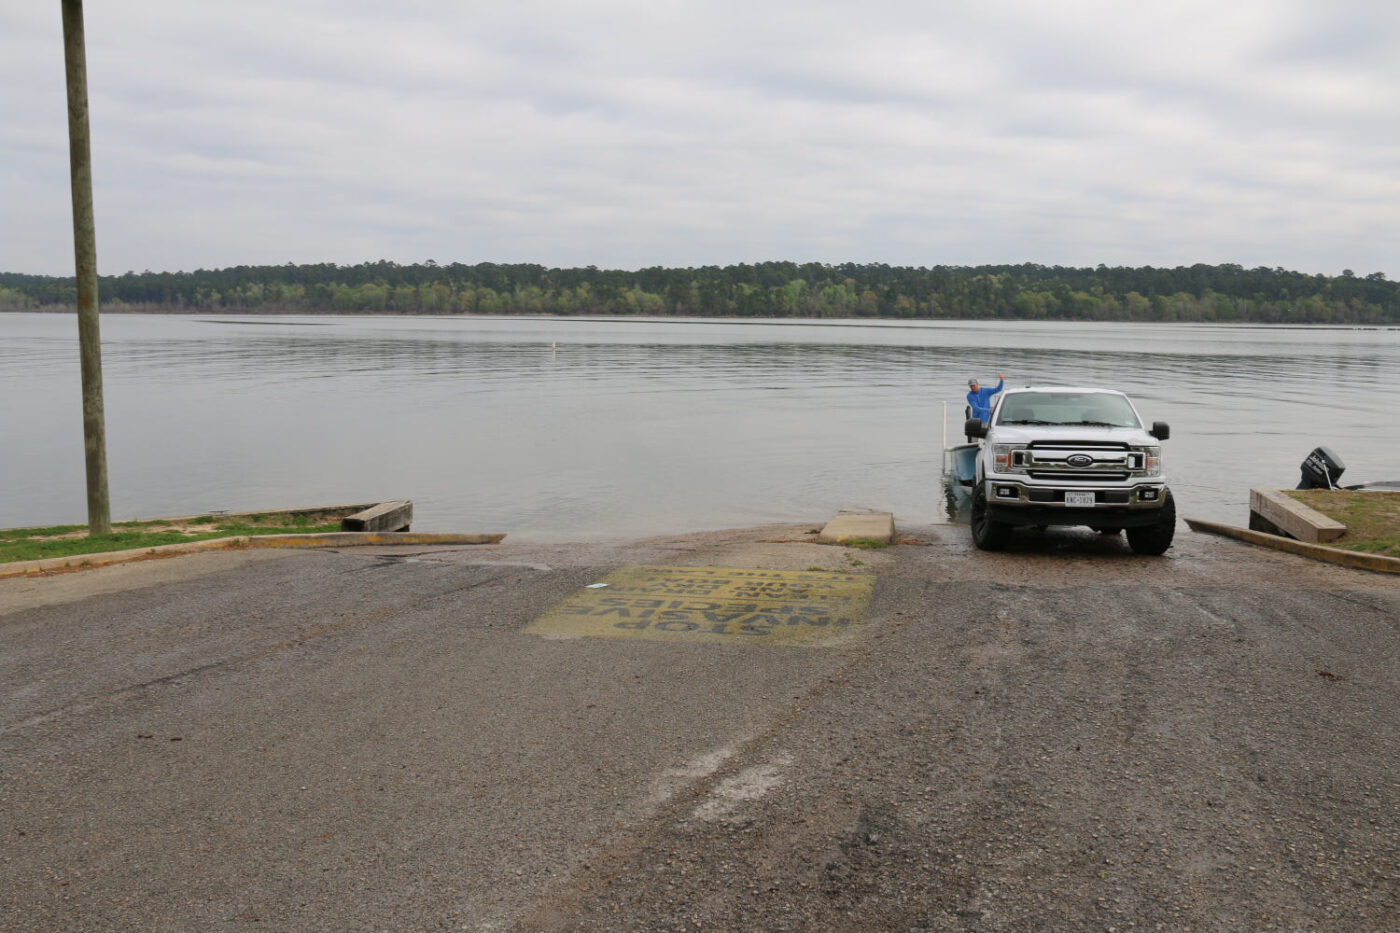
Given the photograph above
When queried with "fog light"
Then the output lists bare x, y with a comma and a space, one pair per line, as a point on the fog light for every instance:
1147, 495
1006, 492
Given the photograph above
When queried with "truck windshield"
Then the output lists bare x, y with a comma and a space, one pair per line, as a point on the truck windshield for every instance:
1067, 408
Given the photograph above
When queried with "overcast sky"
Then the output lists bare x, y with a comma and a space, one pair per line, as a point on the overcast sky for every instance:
628, 133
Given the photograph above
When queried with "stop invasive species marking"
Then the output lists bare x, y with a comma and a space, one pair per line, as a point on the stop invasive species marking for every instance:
710, 604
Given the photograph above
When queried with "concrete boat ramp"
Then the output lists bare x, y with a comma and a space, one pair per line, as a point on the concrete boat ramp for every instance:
739, 730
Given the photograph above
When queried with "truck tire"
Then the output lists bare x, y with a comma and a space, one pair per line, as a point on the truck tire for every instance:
1154, 539
987, 534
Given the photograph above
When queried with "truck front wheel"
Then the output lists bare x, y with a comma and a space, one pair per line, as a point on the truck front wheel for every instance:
987, 534
1154, 539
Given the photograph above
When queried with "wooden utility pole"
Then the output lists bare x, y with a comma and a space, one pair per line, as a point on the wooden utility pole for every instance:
85, 252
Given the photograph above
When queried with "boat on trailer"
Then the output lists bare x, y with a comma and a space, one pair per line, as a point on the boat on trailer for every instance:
960, 460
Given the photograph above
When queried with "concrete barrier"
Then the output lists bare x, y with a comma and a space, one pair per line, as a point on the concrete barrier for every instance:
1273, 509
877, 527
362, 538
1357, 560
396, 515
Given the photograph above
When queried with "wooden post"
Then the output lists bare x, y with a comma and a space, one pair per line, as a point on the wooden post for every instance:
85, 254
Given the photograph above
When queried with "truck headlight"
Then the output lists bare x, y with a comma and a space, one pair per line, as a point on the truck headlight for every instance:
1151, 460
1001, 457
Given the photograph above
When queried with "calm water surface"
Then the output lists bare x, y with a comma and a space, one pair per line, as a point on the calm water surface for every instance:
571, 429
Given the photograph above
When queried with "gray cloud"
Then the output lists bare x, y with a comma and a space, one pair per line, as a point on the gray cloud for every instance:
679, 133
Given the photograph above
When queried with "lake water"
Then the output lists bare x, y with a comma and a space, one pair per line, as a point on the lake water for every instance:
572, 429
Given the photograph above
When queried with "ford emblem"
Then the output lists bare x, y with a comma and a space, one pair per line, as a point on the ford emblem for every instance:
1079, 460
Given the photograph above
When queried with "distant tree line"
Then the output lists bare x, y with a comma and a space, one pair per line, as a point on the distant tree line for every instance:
768, 289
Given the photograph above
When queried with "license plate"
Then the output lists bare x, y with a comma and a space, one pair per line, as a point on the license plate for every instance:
1081, 500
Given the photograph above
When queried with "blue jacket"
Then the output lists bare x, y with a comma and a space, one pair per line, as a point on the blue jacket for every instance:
981, 401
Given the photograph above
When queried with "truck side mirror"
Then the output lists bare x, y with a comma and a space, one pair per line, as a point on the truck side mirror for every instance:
975, 428
1160, 430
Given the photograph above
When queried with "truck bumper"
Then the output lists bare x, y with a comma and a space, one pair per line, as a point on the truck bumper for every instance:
1019, 504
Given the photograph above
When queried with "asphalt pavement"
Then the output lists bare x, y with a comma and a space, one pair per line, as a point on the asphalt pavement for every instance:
621, 736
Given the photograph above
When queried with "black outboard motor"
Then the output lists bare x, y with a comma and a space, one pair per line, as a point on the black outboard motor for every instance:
1322, 469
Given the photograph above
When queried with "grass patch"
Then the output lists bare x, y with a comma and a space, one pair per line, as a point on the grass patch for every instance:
1372, 518
868, 544
18, 544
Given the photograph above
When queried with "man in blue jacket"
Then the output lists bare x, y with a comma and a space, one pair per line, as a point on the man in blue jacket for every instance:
979, 400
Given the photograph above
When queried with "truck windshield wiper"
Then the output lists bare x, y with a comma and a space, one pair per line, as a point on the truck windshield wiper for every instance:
1101, 424
1032, 421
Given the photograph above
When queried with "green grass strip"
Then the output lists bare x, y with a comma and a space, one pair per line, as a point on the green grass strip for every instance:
18, 544
1372, 518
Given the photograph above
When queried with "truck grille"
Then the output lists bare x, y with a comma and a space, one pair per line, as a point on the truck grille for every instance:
1078, 461
1079, 476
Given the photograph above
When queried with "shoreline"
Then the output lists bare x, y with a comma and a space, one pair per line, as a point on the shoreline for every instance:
1341, 556
886, 322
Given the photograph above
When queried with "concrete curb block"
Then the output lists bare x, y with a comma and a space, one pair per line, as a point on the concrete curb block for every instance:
362, 538
1298, 520
27, 568
1332, 555
858, 526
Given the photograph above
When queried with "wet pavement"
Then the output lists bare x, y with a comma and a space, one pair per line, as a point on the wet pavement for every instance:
1062, 736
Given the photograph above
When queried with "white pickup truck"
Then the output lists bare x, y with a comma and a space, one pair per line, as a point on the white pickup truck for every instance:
1064, 455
